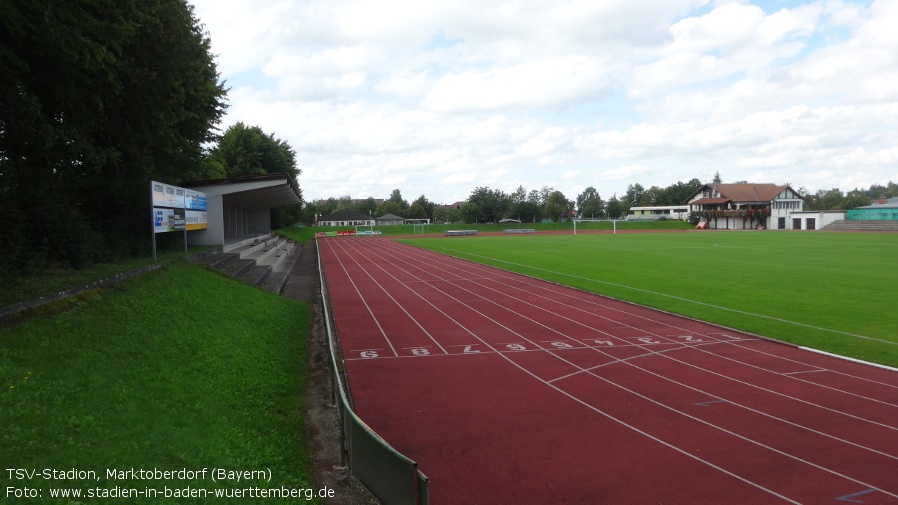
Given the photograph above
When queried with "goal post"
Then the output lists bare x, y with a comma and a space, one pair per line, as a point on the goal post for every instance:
419, 225
612, 221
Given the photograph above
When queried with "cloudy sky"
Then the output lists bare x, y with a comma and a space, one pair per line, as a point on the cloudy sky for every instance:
438, 97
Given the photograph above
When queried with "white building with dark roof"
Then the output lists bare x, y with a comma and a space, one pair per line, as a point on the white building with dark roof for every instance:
345, 217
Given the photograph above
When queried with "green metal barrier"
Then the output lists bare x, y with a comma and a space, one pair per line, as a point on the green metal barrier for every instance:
390, 476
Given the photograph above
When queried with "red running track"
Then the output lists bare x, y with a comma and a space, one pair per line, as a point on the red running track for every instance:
510, 390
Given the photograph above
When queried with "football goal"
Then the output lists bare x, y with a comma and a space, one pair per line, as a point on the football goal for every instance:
419, 225
613, 225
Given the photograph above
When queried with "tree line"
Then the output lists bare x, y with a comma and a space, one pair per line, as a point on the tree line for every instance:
489, 205
836, 199
97, 98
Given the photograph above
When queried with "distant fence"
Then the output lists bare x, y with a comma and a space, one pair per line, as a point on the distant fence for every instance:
390, 476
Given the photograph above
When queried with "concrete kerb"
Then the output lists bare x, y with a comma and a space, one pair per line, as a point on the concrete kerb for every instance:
18, 308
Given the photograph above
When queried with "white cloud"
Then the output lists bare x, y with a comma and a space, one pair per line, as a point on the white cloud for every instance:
440, 97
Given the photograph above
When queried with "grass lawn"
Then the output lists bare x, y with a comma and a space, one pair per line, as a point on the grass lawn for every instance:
27, 287
830, 291
178, 369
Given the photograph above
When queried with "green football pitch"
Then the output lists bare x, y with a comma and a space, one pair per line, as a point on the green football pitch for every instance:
836, 292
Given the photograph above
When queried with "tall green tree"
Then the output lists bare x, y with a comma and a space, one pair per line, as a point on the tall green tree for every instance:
468, 213
492, 204
525, 206
390, 207
651, 197
590, 204
367, 206
415, 211
97, 97
679, 192
615, 208
248, 150
427, 208
880, 191
856, 198
396, 197
633, 196
557, 207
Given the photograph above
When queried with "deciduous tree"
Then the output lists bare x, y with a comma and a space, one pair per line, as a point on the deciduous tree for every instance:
590, 204
97, 97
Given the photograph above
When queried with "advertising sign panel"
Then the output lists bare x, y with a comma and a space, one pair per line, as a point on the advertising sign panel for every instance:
176, 209
194, 200
166, 195
166, 220
196, 220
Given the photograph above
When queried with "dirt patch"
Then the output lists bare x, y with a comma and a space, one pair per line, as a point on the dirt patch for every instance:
322, 423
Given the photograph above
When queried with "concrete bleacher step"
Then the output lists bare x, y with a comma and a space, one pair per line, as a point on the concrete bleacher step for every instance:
256, 275
244, 243
265, 262
280, 271
856, 225
236, 267
219, 260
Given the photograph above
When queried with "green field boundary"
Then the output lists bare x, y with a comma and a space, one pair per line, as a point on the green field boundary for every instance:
827, 291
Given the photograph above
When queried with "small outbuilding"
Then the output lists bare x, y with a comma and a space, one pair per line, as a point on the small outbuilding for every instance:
390, 220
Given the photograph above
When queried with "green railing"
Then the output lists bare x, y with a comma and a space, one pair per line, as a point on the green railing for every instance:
390, 476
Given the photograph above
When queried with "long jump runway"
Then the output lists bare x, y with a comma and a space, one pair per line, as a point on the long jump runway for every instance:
510, 390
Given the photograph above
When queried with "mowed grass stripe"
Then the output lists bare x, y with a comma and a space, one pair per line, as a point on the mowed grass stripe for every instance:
830, 291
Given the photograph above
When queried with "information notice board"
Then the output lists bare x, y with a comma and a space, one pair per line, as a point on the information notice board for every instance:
176, 209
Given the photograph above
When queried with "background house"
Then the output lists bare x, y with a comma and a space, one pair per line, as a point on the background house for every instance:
744, 206
680, 212
345, 217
